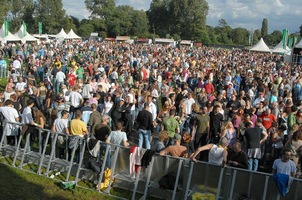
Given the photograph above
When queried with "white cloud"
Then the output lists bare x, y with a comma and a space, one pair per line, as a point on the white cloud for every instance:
238, 13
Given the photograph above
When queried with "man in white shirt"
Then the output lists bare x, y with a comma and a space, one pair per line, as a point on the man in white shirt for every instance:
11, 115
21, 86
76, 100
17, 64
188, 103
60, 78
152, 108
284, 165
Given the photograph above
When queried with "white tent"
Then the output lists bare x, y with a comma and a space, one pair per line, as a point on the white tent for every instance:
299, 45
25, 37
62, 35
9, 38
72, 35
261, 46
279, 48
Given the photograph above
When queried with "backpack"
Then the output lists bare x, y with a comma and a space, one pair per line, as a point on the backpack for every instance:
167, 181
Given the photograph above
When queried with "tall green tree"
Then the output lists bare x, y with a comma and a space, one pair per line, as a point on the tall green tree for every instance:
264, 28
159, 17
5, 7
101, 8
51, 14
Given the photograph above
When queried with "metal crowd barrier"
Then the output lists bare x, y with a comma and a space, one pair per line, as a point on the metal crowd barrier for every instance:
190, 178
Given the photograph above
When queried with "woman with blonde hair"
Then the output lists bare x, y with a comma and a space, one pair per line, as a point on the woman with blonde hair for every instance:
229, 132
162, 140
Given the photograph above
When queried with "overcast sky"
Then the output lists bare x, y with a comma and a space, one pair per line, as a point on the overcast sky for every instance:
247, 14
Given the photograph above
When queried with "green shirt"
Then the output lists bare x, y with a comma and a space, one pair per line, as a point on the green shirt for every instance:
171, 125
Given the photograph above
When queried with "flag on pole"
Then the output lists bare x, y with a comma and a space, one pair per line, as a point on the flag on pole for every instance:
250, 38
295, 40
284, 38
40, 28
24, 29
290, 42
5, 28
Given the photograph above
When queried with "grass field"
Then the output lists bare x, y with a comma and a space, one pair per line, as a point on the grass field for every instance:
19, 184
3, 82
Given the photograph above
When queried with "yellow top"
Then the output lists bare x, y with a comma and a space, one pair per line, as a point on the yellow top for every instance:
77, 127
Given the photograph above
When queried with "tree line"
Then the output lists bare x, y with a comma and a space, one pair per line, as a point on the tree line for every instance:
177, 19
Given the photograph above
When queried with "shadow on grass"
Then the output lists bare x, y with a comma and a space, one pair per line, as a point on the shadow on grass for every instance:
14, 184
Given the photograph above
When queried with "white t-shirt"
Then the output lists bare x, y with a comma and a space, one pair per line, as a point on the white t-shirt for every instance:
9, 113
117, 137
60, 76
20, 86
75, 99
61, 125
17, 64
215, 155
27, 117
188, 105
284, 167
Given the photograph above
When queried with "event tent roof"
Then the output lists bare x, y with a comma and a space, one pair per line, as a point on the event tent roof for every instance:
279, 48
10, 37
261, 46
299, 45
72, 35
62, 35
25, 37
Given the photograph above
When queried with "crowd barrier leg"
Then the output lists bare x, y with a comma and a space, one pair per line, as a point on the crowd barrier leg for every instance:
71, 159
148, 179
177, 179
250, 184
265, 187
220, 182
103, 167
186, 191
17, 150
233, 185
82, 152
52, 153
26, 149
206, 179
43, 150
114, 160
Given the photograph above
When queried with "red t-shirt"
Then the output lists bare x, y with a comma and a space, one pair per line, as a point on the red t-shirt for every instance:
209, 88
267, 120
71, 79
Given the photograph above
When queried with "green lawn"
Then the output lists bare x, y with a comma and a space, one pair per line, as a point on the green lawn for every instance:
3, 82
19, 184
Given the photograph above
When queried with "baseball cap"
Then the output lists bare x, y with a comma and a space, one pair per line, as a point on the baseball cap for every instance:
177, 137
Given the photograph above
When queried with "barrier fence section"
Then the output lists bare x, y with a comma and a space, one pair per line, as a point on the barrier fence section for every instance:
56, 152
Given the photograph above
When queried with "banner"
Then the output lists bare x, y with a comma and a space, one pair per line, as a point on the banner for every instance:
295, 40
284, 38
40, 28
24, 29
250, 38
5, 28
290, 42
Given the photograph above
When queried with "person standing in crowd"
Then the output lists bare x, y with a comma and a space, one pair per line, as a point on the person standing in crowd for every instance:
171, 125
253, 138
76, 100
216, 119
176, 150
60, 79
118, 137
60, 125
145, 127
217, 152
237, 157
94, 119
77, 126
201, 132
10, 115
284, 165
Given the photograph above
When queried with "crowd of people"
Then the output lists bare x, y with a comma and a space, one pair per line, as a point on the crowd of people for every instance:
225, 106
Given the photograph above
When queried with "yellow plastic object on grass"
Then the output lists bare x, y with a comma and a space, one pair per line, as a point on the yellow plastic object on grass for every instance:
203, 196
106, 179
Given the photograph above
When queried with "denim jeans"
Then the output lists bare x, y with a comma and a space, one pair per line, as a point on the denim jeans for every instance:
253, 164
2, 71
144, 137
103, 151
